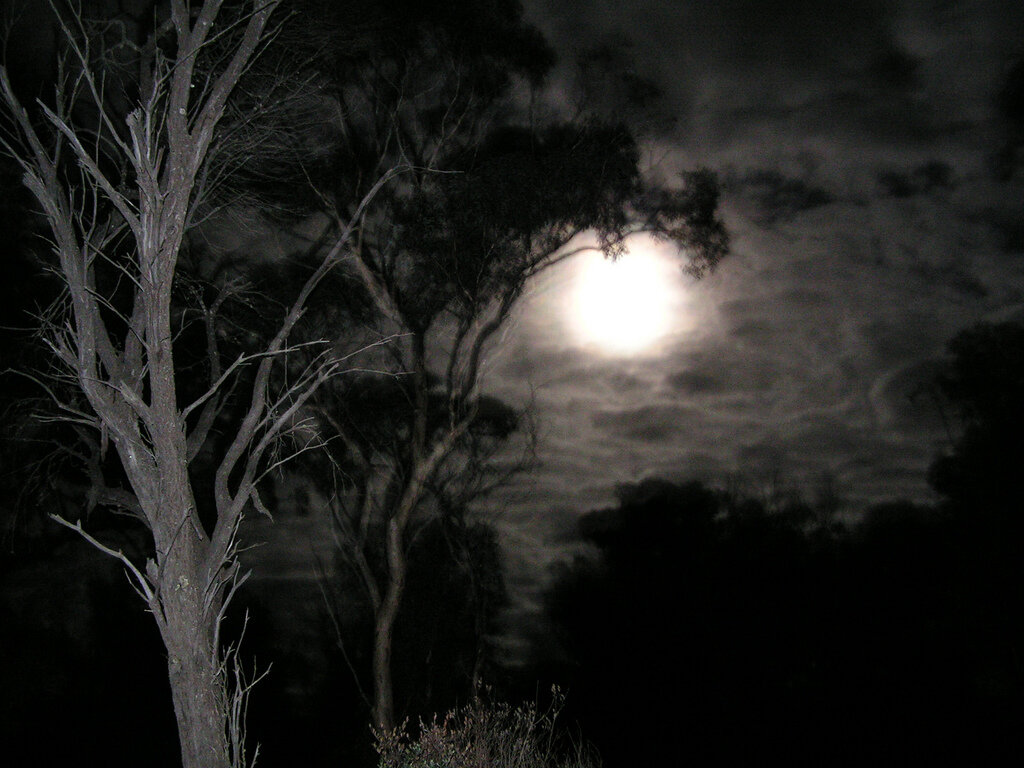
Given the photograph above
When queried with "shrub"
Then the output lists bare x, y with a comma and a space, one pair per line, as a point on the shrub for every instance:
486, 735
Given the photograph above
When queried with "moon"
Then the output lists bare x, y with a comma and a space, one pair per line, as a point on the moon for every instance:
626, 306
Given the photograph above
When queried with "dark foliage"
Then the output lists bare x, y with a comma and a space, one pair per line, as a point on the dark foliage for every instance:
733, 635
984, 380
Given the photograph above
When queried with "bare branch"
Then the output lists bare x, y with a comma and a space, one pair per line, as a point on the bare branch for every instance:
141, 581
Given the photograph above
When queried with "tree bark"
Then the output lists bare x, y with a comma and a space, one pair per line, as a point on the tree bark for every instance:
188, 605
197, 682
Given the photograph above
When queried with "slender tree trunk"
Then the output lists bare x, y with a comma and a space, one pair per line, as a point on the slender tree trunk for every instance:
426, 456
383, 683
420, 469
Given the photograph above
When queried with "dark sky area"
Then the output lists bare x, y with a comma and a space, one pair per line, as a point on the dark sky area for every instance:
858, 145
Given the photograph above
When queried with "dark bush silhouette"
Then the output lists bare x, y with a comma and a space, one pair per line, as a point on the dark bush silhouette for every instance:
984, 380
725, 633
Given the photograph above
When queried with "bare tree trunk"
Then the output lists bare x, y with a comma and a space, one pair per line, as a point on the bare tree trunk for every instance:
188, 603
397, 565
201, 710
384, 628
198, 685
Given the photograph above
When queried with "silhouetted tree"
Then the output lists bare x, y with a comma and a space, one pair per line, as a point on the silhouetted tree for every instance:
492, 201
979, 479
442, 636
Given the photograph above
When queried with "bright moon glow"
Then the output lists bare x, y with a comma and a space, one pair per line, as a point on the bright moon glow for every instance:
625, 306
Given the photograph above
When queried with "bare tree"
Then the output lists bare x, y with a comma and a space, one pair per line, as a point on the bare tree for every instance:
120, 174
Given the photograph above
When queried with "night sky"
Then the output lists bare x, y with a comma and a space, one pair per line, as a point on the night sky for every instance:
858, 145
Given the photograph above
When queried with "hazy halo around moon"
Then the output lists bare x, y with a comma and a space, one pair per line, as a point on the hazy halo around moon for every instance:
625, 307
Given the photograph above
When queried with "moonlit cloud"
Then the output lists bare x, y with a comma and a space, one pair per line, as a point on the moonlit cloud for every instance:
854, 142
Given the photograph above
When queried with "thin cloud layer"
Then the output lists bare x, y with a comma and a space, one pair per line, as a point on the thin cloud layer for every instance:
855, 143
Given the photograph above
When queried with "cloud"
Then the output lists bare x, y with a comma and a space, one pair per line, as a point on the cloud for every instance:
779, 196
646, 424
855, 142
717, 372
904, 398
933, 176
691, 382
895, 69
